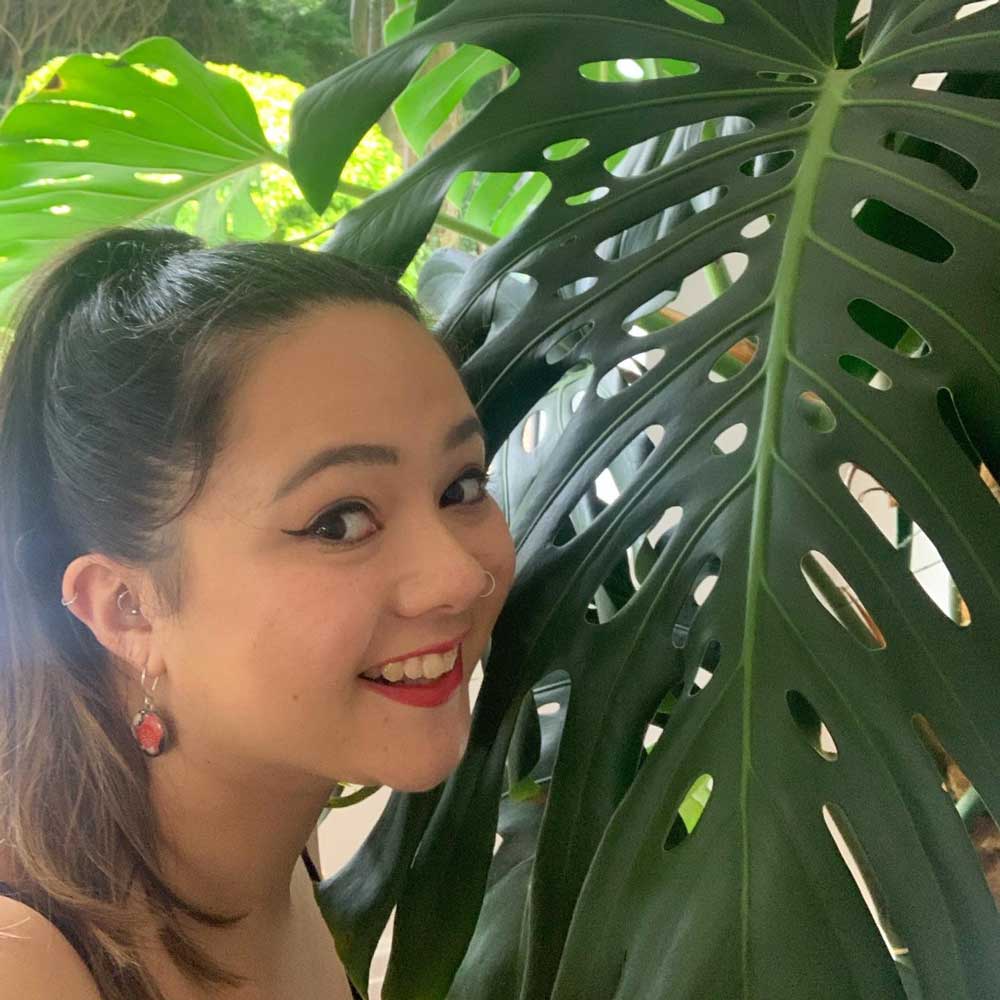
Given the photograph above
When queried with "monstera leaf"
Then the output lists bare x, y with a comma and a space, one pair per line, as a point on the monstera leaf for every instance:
720, 544
110, 141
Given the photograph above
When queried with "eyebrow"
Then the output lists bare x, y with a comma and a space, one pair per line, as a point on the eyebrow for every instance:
371, 454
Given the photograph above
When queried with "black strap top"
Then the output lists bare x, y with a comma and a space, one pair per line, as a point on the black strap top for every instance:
68, 933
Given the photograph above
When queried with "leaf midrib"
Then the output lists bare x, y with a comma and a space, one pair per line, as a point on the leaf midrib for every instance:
805, 191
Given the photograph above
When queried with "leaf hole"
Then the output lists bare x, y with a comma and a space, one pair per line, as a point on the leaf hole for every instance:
815, 412
973, 440
627, 372
58, 181
626, 71
158, 178
889, 225
122, 112
710, 658
924, 561
735, 360
757, 227
854, 857
704, 583
699, 10
798, 110
578, 287
629, 571
651, 737
594, 194
565, 150
980, 825
810, 725
951, 162
534, 430
157, 73
730, 440
604, 491
568, 343
767, 163
888, 329
865, 371
838, 597
948, 16
690, 811
59, 209
767, 74
967, 83
77, 143
658, 151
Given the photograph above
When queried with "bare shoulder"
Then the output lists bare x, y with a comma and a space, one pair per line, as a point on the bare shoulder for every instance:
36, 961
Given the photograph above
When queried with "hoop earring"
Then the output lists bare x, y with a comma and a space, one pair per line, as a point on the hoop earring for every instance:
493, 583
127, 611
148, 727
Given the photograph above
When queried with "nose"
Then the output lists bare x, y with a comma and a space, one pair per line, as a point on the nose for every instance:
439, 568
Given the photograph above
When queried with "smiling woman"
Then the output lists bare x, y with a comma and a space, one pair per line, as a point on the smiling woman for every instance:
246, 551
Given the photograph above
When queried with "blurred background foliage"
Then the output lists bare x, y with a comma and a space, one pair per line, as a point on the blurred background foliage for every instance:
274, 48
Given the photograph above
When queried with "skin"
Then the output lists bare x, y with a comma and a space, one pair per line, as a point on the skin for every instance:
260, 668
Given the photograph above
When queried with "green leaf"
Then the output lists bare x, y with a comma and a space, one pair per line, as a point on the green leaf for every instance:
428, 101
400, 22
754, 901
115, 141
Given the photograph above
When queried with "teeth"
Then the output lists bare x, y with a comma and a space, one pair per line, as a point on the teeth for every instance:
393, 671
430, 666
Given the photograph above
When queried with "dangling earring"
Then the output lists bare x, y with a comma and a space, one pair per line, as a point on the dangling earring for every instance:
148, 727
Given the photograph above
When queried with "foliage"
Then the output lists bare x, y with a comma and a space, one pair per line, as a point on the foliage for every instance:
723, 594
717, 675
59, 184
31, 32
302, 39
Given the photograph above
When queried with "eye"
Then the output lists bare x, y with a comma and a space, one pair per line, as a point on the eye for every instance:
478, 476
335, 525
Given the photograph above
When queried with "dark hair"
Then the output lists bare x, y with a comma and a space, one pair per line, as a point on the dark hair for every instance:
113, 400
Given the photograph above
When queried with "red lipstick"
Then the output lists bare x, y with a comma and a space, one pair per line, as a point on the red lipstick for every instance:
422, 695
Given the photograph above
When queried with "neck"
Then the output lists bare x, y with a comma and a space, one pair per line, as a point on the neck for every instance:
231, 836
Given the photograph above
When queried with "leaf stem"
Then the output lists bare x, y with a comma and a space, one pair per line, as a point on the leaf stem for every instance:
718, 277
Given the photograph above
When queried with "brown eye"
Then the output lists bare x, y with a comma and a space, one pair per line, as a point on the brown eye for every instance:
478, 476
336, 524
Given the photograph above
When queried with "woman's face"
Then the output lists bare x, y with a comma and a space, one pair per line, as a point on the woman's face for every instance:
300, 575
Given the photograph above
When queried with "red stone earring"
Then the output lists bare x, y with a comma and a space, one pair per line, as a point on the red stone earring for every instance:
148, 727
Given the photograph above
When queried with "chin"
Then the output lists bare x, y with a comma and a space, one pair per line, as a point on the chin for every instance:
421, 775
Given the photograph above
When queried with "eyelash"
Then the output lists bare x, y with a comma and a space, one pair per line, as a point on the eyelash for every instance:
480, 475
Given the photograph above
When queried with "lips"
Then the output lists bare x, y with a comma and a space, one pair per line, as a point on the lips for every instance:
422, 695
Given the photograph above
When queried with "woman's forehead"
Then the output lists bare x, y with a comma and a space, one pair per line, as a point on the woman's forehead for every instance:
344, 374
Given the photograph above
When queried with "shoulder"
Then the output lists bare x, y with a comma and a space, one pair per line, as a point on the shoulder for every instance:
36, 961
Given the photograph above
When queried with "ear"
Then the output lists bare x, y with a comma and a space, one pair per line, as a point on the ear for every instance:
99, 583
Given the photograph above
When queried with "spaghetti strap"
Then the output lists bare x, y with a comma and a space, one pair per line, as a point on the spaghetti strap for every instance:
310, 867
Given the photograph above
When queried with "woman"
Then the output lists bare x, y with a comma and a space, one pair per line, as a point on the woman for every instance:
242, 491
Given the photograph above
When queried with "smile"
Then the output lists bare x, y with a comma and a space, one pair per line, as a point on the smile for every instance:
438, 679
